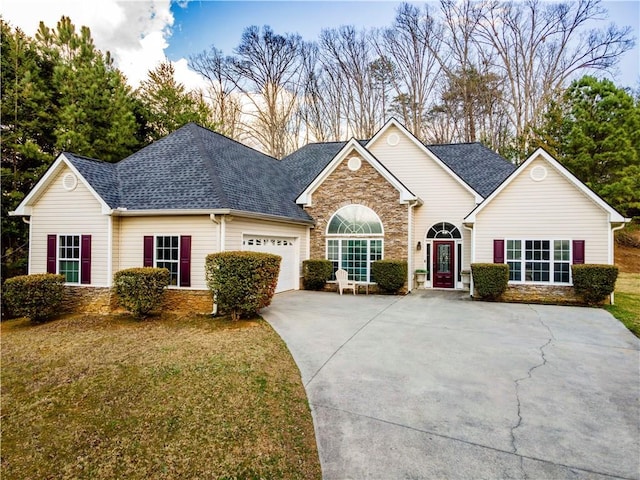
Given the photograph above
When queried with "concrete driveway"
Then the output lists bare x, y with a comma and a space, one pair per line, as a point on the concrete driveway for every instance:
432, 385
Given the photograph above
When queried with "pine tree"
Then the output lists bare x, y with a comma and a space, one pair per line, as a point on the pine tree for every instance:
595, 132
27, 136
168, 104
94, 105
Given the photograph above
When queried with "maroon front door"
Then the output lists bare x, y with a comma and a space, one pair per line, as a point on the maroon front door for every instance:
443, 264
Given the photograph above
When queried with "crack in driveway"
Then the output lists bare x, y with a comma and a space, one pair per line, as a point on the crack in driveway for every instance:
517, 389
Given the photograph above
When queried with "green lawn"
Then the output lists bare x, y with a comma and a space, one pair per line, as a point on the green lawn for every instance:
627, 301
173, 397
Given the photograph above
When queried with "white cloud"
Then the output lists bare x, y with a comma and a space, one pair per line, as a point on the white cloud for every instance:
136, 32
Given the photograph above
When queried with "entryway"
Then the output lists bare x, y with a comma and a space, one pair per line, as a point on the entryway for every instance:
443, 264
444, 244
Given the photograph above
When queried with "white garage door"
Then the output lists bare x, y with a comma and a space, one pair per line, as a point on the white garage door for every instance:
283, 246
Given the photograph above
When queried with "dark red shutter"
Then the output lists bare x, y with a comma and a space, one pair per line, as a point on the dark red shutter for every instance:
148, 251
52, 246
85, 259
498, 251
185, 261
578, 252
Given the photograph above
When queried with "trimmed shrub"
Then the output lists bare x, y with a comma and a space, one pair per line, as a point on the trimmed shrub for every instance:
316, 273
242, 282
594, 282
140, 290
490, 279
390, 275
36, 297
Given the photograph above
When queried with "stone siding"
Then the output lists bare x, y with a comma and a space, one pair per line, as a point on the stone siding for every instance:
364, 187
543, 294
104, 301
88, 300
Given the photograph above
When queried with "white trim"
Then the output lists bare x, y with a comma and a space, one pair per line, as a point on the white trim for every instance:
353, 145
614, 216
551, 260
123, 212
393, 122
109, 250
25, 206
354, 234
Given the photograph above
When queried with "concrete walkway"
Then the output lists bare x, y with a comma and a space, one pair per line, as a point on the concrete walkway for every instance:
432, 385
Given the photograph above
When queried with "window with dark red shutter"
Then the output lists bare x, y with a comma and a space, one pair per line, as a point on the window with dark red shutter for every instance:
498, 251
185, 261
85, 260
148, 251
578, 252
52, 246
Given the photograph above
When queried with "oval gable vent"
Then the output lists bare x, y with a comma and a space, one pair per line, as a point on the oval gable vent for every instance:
69, 182
538, 173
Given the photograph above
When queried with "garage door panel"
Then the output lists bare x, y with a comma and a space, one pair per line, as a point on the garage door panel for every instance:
285, 247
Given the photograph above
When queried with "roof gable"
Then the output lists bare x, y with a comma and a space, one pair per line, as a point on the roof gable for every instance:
428, 153
87, 170
352, 145
614, 216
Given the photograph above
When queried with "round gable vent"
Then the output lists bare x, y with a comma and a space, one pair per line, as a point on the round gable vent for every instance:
354, 164
69, 182
393, 139
538, 173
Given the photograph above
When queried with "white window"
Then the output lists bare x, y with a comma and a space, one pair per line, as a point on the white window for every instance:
69, 257
167, 255
539, 261
363, 246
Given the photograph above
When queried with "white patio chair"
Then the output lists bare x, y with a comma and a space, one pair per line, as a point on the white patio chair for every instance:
343, 281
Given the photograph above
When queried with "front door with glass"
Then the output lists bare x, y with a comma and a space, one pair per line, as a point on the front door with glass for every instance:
443, 264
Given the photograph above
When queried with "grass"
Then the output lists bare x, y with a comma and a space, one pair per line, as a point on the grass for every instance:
627, 301
171, 397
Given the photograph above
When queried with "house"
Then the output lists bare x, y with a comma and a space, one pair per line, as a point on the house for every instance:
195, 192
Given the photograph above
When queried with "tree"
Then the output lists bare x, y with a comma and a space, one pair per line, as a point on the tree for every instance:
221, 93
93, 104
595, 133
538, 47
169, 106
27, 136
413, 45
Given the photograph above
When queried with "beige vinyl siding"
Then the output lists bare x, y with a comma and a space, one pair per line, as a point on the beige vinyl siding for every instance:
203, 232
445, 199
77, 212
552, 209
237, 227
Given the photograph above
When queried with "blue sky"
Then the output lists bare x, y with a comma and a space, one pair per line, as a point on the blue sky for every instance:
142, 33
203, 23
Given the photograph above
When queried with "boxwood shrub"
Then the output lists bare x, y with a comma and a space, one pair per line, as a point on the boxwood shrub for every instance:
242, 282
594, 282
390, 275
315, 273
140, 290
36, 296
490, 279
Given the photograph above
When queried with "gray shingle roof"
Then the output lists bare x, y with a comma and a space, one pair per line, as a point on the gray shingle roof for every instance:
195, 168
306, 163
102, 176
481, 168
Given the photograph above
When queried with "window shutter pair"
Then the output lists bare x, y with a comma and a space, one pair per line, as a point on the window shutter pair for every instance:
578, 251
85, 257
185, 257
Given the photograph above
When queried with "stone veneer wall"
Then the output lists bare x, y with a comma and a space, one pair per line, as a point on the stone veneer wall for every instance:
549, 294
104, 301
365, 187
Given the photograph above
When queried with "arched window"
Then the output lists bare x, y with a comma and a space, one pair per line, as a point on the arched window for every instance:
355, 220
354, 241
443, 230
